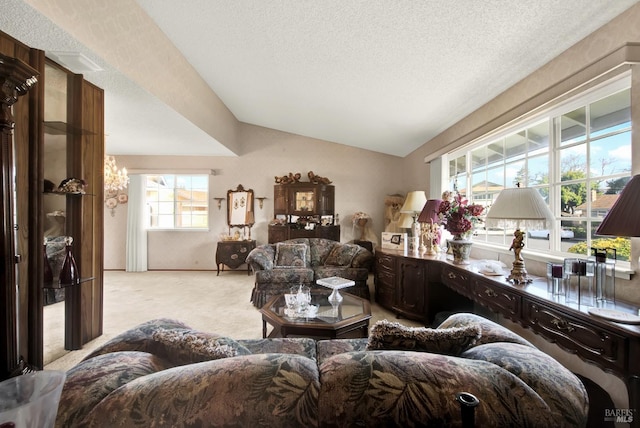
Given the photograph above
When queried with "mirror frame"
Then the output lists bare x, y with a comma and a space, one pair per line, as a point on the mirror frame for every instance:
242, 210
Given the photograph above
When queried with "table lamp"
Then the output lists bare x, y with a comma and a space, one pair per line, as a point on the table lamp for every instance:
413, 205
428, 220
519, 207
623, 219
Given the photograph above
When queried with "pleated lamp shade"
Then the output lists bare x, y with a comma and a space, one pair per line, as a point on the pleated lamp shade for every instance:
405, 221
414, 203
519, 207
623, 219
430, 211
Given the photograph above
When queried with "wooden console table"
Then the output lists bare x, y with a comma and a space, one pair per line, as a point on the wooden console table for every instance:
233, 254
614, 347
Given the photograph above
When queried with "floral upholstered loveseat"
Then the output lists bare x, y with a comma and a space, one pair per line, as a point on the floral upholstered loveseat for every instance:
162, 373
303, 261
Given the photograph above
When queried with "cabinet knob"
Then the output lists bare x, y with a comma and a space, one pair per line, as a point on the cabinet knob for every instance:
490, 293
563, 325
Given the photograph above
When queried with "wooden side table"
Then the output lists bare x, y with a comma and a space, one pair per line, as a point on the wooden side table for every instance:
233, 254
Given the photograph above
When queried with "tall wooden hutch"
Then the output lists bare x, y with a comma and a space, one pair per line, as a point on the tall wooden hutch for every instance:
30, 136
303, 210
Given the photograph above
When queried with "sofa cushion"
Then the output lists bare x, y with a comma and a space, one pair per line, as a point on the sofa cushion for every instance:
491, 331
137, 338
290, 255
543, 374
405, 389
141, 338
342, 255
181, 346
92, 380
272, 390
452, 341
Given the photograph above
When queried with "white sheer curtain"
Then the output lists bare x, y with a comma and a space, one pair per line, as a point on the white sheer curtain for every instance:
136, 231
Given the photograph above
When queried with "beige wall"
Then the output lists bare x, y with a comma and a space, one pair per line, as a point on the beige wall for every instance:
362, 179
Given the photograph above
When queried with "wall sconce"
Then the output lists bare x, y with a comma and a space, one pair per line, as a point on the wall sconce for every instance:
219, 202
261, 201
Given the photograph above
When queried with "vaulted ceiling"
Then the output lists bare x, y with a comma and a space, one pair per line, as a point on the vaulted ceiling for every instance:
382, 75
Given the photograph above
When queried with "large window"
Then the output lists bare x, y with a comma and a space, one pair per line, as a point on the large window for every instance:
578, 156
177, 201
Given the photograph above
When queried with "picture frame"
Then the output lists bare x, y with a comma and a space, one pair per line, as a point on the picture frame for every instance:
394, 241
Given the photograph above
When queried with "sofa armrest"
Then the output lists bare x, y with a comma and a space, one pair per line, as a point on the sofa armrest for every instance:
363, 259
261, 257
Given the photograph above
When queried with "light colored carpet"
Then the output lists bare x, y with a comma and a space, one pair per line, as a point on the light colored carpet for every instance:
201, 299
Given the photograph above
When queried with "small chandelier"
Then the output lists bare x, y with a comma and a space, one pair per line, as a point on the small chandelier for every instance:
114, 179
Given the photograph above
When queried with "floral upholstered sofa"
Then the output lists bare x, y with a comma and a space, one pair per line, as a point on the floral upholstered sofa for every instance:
162, 373
303, 261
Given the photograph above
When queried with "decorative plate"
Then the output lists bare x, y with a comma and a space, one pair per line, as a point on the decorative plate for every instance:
123, 198
491, 273
111, 202
617, 316
110, 194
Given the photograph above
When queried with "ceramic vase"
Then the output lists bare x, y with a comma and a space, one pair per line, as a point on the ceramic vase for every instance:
69, 274
461, 250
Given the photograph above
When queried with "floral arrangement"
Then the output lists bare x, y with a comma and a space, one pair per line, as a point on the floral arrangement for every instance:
458, 216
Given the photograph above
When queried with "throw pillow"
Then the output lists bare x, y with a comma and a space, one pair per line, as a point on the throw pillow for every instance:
290, 255
342, 255
450, 341
180, 346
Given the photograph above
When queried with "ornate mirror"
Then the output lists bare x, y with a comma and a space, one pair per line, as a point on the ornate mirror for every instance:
240, 207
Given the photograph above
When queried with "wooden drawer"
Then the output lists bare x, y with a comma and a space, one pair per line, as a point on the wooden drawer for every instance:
458, 280
385, 261
385, 282
498, 298
584, 339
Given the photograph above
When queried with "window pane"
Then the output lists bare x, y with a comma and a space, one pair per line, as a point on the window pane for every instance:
573, 162
538, 170
573, 235
516, 146
610, 114
573, 127
538, 138
173, 201
495, 152
514, 173
478, 158
611, 155
573, 198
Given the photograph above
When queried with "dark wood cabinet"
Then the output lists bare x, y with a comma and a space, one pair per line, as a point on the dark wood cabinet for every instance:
412, 287
280, 200
419, 287
298, 204
385, 279
233, 254
79, 131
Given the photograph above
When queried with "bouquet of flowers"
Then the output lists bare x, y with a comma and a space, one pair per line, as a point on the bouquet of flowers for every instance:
458, 216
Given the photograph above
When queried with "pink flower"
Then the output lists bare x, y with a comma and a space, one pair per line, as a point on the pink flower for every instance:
458, 217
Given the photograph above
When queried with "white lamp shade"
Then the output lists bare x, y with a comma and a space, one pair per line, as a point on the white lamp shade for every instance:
405, 221
415, 202
519, 207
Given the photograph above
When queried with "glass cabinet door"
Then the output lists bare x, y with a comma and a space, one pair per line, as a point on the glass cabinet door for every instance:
303, 201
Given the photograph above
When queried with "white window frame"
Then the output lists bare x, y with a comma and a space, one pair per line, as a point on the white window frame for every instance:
614, 85
176, 226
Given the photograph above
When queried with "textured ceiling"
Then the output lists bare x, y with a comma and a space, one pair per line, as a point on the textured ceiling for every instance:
381, 75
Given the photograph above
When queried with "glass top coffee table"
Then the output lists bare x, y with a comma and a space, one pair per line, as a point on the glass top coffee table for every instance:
349, 319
